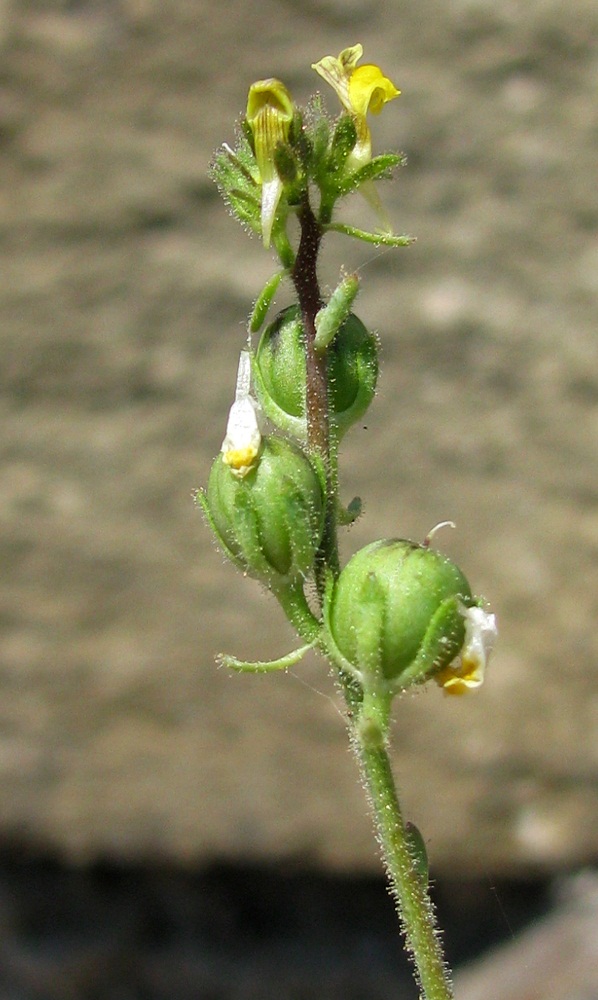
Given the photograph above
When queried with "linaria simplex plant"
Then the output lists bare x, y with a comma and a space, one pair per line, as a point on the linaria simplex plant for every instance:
399, 613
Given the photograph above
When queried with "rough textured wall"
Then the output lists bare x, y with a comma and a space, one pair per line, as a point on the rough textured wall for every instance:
124, 288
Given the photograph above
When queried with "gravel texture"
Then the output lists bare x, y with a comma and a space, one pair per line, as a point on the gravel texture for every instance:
123, 295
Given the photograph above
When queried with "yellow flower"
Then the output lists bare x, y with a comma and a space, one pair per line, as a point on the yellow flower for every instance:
360, 89
269, 114
467, 669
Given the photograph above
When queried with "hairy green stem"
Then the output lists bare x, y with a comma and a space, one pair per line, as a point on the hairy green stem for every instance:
410, 889
294, 604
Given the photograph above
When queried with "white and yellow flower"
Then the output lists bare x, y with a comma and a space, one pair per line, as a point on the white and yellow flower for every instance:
241, 445
466, 672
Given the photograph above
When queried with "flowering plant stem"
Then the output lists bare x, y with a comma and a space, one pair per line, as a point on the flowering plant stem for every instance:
409, 885
399, 613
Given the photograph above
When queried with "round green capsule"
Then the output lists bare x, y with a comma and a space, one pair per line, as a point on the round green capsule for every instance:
396, 614
270, 521
280, 372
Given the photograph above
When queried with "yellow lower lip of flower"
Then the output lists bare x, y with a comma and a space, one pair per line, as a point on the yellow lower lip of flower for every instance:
240, 460
461, 679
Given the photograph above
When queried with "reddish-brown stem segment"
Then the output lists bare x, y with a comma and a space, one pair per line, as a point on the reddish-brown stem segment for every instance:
305, 279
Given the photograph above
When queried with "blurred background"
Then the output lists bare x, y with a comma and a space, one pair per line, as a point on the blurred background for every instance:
170, 830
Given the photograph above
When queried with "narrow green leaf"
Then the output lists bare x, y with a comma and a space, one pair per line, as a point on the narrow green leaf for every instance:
378, 239
265, 666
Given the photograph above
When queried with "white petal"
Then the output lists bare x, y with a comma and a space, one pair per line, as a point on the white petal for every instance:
480, 637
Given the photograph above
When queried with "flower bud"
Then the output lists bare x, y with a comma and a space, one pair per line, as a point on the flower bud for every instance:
402, 613
270, 520
280, 374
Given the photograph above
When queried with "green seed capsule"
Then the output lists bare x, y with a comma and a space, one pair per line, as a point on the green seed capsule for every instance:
270, 521
398, 614
279, 370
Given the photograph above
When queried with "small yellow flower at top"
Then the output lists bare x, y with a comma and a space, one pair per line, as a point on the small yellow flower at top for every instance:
360, 89
269, 115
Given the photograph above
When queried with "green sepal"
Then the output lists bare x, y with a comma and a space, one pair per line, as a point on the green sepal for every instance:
442, 642
320, 137
342, 144
298, 518
237, 177
247, 133
302, 139
375, 169
278, 236
369, 622
247, 535
332, 316
328, 641
264, 301
280, 242
366, 377
292, 161
246, 212
373, 715
201, 499
244, 207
